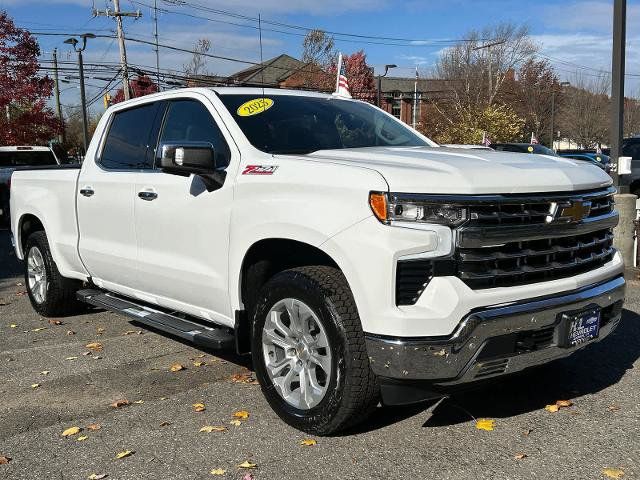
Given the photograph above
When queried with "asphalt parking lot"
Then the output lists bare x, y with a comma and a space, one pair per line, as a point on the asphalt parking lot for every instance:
50, 382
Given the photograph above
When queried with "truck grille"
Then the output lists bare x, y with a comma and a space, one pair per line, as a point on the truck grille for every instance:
510, 241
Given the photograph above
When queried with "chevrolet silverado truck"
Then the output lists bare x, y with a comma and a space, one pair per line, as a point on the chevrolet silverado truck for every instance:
356, 260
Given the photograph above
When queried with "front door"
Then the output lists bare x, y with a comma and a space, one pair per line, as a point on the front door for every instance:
183, 229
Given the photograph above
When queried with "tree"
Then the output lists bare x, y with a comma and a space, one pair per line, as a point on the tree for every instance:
197, 65
140, 86
24, 115
359, 76
74, 138
318, 55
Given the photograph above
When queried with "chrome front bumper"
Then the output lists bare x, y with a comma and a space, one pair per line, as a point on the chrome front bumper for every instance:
497, 340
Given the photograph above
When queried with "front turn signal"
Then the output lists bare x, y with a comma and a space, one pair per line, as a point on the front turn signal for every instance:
378, 204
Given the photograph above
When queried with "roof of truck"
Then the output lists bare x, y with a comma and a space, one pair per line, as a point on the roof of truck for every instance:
267, 91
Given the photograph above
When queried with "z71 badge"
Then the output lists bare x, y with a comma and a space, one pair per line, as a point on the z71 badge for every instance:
259, 170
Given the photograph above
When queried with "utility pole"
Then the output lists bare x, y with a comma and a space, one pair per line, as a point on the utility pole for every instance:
155, 35
617, 85
117, 14
415, 99
57, 94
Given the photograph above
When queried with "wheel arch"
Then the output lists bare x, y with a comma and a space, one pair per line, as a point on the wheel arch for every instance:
28, 224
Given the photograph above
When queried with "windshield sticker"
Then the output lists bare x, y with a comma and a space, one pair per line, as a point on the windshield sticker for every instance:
259, 170
254, 107
530, 148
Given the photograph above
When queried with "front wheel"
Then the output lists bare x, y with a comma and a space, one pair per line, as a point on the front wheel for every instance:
309, 352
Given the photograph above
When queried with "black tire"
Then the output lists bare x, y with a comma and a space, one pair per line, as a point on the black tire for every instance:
60, 297
353, 391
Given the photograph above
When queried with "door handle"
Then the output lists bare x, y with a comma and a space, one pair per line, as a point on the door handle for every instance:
146, 195
87, 191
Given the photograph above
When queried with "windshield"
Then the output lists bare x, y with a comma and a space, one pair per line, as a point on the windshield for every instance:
23, 158
291, 124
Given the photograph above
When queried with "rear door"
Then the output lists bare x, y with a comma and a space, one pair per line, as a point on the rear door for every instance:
183, 229
105, 198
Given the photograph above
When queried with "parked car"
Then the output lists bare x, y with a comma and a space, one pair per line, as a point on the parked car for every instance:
20, 158
523, 148
354, 258
598, 159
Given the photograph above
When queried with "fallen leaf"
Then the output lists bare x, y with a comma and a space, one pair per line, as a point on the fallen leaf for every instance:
237, 423
485, 424
139, 402
35, 385
120, 403
70, 332
131, 332
99, 331
55, 322
613, 408
71, 431
247, 464
45, 372
71, 358
93, 427
308, 442
527, 432
241, 378
176, 367
520, 456
97, 476
13, 325
243, 414
613, 473
199, 407
95, 346
22, 293
212, 428
552, 408
164, 424
86, 353
4, 460
82, 438
198, 364
202, 355
126, 453
39, 329
218, 471
564, 403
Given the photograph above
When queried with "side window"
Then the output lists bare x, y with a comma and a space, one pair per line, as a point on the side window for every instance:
128, 139
190, 121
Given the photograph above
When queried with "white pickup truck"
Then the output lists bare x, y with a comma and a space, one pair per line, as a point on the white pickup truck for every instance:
357, 261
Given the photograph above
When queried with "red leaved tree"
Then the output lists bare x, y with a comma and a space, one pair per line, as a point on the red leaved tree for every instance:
140, 86
359, 76
24, 115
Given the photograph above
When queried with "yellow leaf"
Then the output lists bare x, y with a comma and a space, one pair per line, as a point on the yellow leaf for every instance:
176, 367
212, 428
308, 442
95, 346
82, 438
94, 427
243, 414
198, 364
71, 431
126, 453
139, 402
613, 473
13, 325
485, 424
39, 329
552, 408
237, 423
218, 471
199, 407
247, 464
520, 456
35, 385
71, 358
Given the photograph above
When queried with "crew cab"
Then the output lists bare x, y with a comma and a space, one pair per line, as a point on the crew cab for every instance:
355, 259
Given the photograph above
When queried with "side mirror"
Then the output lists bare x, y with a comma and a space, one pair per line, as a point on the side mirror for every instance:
188, 157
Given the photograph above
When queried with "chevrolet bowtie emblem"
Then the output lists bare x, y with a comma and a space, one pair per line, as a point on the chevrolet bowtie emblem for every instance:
569, 212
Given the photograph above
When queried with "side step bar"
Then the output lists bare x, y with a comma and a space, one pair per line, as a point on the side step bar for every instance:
218, 338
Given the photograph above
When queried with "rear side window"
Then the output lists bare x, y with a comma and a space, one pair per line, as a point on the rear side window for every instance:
190, 121
26, 158
126, 145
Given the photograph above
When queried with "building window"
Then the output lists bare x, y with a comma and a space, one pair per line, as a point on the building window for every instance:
396, 105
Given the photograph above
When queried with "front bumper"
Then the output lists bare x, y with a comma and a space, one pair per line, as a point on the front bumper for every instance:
496, 340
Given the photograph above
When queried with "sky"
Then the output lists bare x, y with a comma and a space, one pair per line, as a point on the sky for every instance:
574, 35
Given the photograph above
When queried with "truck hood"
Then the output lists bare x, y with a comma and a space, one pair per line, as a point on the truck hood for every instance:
457, 171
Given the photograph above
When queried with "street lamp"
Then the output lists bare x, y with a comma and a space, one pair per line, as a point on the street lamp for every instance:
386, 70
74, 43
553, 111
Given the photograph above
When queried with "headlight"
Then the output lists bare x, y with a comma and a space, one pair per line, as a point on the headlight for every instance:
391, 208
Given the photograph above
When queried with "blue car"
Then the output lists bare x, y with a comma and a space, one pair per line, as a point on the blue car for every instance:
599, 159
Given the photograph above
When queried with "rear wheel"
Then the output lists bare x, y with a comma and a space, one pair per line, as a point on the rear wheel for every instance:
50, 293
309, 352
